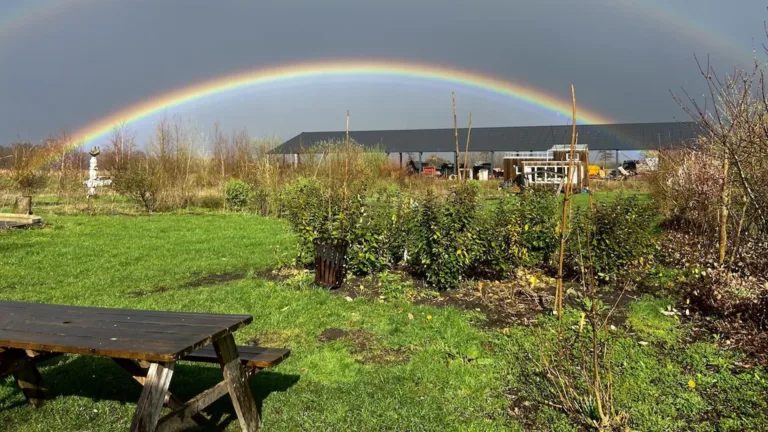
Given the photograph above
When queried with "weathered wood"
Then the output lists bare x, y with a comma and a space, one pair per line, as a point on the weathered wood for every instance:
152, 397
251, 357
187, 413
139, 373
23, 205
237, 383
117, 333
27, 377
168, 317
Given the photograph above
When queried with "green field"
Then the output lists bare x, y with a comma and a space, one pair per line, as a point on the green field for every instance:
441, 370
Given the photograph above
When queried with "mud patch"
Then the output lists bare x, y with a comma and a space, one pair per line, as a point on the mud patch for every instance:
198, 282
365, 347
214, 279
332, 334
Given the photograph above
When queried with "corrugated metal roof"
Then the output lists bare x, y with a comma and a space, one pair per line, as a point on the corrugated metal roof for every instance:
620, 136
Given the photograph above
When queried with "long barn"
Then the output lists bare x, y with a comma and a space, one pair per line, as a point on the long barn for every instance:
598, 137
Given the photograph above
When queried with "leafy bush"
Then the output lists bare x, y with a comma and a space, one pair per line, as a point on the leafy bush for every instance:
304, 205
139, 183
499, 240
615, 236
236, 194
537, 212
445, 237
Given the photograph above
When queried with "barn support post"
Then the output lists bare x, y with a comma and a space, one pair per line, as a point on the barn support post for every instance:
401, 159
420, 166
493, 153
456, 163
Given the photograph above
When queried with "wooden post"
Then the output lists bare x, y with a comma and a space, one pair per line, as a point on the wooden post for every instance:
421, 168
564, 221
466, 149
152, 397
492, 156
23, 205
456, 136
401, 159
723, 212
456, 165
27, 377
237, 383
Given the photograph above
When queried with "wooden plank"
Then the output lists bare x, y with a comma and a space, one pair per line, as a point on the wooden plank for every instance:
128, 349
111, 342
139, 373
185, 415
152, 397
166, 316
115, 334
237, 383
253, 357
107, 322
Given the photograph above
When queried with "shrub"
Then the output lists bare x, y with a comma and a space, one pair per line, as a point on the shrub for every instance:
237, 194
304, 205
616, 235
499, 240
445, 237
537, 213
140, 184
209, 201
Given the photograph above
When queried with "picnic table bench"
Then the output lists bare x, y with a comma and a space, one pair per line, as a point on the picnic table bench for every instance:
146, 344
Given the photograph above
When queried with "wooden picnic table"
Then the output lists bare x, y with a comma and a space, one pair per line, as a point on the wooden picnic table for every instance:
147, 344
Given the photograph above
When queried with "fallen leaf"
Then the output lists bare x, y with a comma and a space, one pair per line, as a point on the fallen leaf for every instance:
410, 316
429, 317
348, 298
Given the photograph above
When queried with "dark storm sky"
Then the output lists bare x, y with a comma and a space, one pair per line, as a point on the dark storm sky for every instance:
66, 63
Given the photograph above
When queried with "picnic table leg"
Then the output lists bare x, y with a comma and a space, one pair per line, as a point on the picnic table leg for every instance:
152, 397
27, 377
237, 383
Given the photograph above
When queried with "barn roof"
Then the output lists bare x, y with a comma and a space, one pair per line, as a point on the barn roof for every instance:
620, 136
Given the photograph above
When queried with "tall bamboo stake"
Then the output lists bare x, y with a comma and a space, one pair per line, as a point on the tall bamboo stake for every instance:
456, 136
466, 149
723, 217
564, 220
346, 160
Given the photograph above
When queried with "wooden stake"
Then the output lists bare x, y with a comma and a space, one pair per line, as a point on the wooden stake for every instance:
466, 149
456, 136
723, 212
564, 220
346, 161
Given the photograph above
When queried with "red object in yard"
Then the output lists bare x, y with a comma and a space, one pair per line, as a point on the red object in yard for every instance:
430, 171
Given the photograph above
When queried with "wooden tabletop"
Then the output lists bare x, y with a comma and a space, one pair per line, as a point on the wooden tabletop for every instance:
118, 333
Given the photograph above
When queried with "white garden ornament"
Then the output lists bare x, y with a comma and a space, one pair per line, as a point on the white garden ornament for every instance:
94, 180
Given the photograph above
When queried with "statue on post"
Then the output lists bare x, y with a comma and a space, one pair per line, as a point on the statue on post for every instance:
93, 179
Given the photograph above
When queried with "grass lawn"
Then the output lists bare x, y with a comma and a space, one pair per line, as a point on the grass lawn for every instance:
399, 366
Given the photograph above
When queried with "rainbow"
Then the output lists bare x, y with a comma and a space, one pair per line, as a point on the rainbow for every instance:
393, 68
32, 12
661, 14
664, 17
